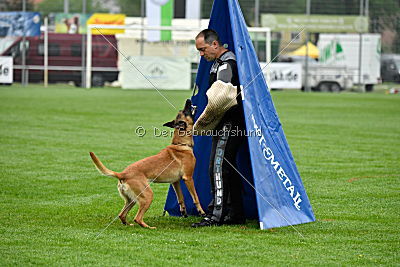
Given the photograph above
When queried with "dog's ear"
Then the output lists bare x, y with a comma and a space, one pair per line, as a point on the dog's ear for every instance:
170, 124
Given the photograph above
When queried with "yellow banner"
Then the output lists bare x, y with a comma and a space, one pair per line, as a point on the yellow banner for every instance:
107, 19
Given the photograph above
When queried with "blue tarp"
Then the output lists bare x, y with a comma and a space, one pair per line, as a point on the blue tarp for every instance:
266, 162
18, 23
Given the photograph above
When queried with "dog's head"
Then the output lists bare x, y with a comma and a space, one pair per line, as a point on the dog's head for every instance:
184, 120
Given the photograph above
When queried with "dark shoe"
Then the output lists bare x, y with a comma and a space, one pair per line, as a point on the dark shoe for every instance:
234, 220
206, 221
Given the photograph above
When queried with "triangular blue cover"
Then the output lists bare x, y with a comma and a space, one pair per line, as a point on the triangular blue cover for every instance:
279, 198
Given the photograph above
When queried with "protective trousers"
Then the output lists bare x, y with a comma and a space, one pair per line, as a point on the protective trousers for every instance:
226, 183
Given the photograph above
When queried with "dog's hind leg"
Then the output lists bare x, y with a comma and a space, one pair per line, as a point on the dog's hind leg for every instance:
144, 198
129, 203
179, 196
130, 200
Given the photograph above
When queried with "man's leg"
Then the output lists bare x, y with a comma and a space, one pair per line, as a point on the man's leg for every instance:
218, 206
221, 191
233, 181
211, 174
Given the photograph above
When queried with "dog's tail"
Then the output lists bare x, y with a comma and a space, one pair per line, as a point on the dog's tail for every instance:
103, 169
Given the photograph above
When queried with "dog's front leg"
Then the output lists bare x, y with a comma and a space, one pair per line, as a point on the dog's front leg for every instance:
179, 196
192, 190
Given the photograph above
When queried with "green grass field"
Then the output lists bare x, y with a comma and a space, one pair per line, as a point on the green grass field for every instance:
54, 203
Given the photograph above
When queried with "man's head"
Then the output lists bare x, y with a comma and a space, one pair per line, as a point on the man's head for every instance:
209, 45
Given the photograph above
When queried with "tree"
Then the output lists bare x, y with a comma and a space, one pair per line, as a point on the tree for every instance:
75, 6
385, 19
131, 8
16, 5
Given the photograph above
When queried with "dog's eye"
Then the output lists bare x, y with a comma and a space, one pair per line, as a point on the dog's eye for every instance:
182, 124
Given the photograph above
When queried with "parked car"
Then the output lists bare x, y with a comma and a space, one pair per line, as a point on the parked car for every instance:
64, 51
390, 68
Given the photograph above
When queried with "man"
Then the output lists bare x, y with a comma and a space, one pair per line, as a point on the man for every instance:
226, 206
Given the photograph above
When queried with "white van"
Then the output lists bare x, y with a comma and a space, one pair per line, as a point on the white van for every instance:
343, 50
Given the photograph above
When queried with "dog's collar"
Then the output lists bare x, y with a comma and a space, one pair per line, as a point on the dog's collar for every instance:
179, 144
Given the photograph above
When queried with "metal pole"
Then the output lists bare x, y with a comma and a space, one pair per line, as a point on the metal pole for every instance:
83, 50
89, 57
268, 46
360, 82
46, 52
307, 88
199, 14
141, 30
360, 85
23, 56
268, 54
361, 7
366, 13
257, 23
66, 6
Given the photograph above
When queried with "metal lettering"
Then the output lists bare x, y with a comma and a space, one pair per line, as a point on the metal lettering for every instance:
269, 156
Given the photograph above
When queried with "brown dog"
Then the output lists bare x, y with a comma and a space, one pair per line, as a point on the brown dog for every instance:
170, 165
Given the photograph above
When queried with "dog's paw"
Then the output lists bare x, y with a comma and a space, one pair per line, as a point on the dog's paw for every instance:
184, 214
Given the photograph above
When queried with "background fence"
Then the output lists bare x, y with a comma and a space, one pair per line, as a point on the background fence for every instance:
384, 15
384, 18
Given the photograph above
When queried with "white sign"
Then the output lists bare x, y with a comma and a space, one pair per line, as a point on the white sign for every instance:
6, 70
282, 75
159, 72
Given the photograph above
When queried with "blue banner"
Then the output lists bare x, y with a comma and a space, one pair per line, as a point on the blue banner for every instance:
274, 193
19, 24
